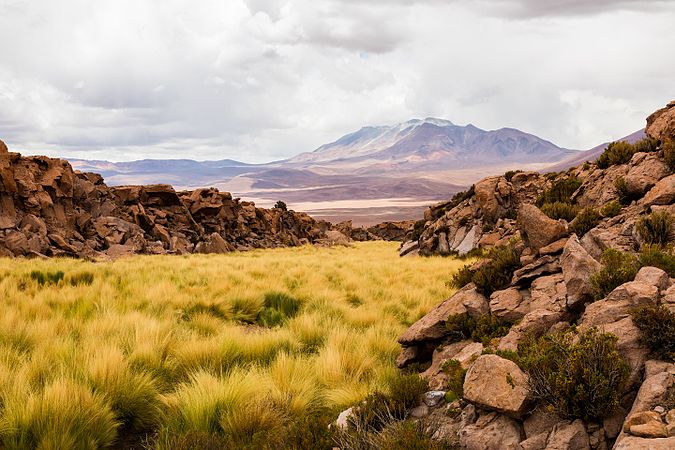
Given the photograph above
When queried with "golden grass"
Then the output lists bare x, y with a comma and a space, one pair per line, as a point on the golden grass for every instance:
168, 343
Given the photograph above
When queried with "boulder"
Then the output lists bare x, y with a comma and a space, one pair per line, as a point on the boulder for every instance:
554, 248
569, 436
577, 267
498, 384
408, 247
510, 304
661, 124
647, 424
491, 431
663, 193
536, 321
548, 292
464, 352
545, 265
431, 327
645, 170
653, 276
214, 243
537, 229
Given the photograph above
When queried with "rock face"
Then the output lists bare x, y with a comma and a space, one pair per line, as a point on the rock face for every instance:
577, 267
48, 209
537, 229
661, 124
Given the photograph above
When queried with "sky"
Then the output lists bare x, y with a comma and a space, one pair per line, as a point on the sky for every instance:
262, 80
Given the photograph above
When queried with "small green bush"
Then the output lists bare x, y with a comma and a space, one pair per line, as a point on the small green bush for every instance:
496, 274
561, 191
418, 228
81, 279
656, 228
560, 210
625, 196
487, 327
656, 256
456, 374
577, 375
617, 268
277, 308
409, 435
281, 205
461, 278
611, 209
646, 145
585, 221
46, 278
657, 330
669, 153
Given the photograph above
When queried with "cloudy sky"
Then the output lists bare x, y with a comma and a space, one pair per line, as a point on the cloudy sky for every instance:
258, 80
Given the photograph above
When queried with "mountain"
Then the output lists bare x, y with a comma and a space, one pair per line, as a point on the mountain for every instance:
376, 173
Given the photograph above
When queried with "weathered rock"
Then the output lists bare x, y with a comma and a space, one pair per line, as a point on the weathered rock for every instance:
497, 384
510, 304
663, 193
577, 268
408, 247
545, 265
537, 229
491, 431
637, 443
537, 321
646, 424
540, 421
431, 327
342, 421
661, 124
214, 243
464, 352
433, 398
653, 276
548, 292
568, 436
554, 248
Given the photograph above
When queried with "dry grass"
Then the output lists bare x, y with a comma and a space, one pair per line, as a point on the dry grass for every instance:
170, 343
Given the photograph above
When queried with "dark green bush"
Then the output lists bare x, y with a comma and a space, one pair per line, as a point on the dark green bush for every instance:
560, 210
617, 268
81, 278
611, 209
496, 274
656, 256
47, 277
509, 175
656, 228
561, 191
585, 221
625, 196
657, 330
577, 375
409, 435
456, 374
277, 308
615, 153
418, 228
669, 153
461, 278
281, 205
487, 327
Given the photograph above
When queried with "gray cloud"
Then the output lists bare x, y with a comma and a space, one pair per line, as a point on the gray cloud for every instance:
260, 79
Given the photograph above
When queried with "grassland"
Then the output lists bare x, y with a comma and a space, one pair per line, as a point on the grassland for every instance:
247, 349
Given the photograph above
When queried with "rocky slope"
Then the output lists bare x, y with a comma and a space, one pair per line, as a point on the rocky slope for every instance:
550, 289
48, 209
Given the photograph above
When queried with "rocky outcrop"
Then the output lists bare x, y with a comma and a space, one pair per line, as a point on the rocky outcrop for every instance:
661, 124
47, 209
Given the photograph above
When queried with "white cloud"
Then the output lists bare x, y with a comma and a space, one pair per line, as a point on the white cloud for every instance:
265, 79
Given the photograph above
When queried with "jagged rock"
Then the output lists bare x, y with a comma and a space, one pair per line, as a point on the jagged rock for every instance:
537, 229
568, 436
214, 243
548, 292
491, 431
536, 442
511, 304
464, 352
661, 124
333, 238
545, 265
342, 421
434, 398
537, 321
497, 384
663, 193
554, 248
646, 424
578, 267
645, 170
653, 276
408, 247
431, 327
540, 421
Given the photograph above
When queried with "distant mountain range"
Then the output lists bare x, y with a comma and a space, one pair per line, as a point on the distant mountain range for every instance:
374, 174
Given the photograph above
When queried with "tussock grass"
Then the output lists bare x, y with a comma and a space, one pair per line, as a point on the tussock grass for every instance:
173, 348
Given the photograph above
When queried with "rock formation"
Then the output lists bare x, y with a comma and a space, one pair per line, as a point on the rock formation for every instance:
47, 209
550, 290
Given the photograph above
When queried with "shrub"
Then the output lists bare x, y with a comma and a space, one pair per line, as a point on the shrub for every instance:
456, 374
43, 278
655, 256
408, 435
81, 279
656, 228
625, 196
611, 209
646, 145
617, 268
487, 327
417, 230
657, 330
509, 175
585, 221
281, 205
461, 278
577, 375
561, 191
277, 308
669, 153
615, 153
560, 210
497, 272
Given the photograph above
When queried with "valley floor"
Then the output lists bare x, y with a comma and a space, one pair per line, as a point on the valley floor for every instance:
185, 351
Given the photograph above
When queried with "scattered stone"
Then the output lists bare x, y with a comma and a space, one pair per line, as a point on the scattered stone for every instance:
434, 398
491, 431
653, 276
569, 436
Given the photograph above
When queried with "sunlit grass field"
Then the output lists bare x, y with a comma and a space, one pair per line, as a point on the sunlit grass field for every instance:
151, 351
